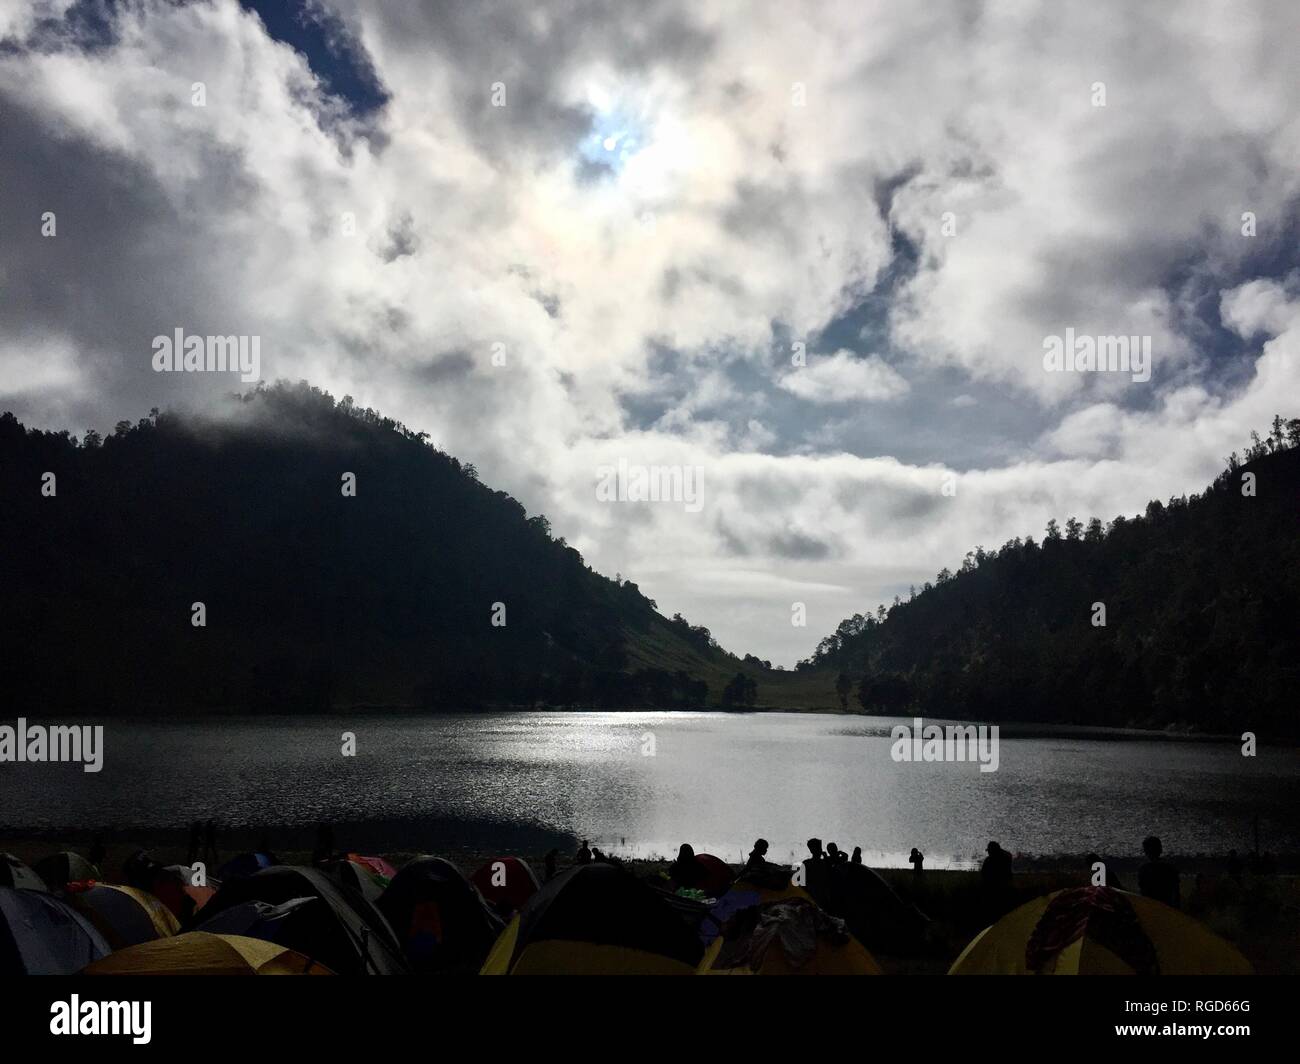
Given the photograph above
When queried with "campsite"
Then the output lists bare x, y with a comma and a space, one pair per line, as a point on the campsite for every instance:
399, 914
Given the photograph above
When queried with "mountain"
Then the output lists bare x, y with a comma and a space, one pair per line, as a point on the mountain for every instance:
311, 598
1201, 601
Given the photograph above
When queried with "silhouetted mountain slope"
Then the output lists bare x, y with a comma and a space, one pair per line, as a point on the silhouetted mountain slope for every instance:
312, 598
1202, 618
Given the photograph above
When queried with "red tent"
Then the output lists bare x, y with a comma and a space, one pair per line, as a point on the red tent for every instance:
506, 883
717, 876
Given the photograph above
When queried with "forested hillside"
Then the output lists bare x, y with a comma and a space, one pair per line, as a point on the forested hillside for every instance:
311, 597
1201, 600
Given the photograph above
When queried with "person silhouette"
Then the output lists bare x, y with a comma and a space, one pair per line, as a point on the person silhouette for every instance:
857, 855
1158, 879
686, 871
757, 861
583, 856
324, 848
97, 852
917, 860
816, 866
996, 869
210, 853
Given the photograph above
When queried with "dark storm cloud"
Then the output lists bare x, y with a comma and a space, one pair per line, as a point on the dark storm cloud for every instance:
794, 545
121, 268
450, 368
400, 239
787, 544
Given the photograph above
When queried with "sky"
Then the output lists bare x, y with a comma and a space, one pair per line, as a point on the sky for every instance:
806, 255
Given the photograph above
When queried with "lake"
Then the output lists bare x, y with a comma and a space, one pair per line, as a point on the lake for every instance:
530, 780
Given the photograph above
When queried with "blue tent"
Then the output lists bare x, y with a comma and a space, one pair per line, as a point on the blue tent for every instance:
13, 873
43, 935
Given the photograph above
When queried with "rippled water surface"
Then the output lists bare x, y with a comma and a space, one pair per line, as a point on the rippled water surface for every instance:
718, 780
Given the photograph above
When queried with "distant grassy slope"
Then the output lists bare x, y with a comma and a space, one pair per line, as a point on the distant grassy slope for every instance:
659, 646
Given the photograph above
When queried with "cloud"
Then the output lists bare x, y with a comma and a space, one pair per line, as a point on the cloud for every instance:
1262, 306
845, 377
789, 182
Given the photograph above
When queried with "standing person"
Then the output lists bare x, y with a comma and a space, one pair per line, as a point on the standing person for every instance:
996, 869
917, 860
583, 856
324, 848
97, 852
210, 854
857, 855
815, 865
1158, 879
995, 874
757, 862
196, 841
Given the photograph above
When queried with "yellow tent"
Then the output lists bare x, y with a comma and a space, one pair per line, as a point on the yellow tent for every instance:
831, 955
561, 957
1098, 931
200, 953
595, 919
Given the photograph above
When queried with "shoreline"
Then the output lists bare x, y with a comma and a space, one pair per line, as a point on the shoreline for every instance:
1257, 913
1015, 729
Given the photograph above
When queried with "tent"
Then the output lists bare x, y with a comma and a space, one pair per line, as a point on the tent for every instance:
346, 933
716, 877
874, 911
43, 935
595, 919
287, 922
506, 883
179, 891
60, 869
1098, 931
745, 894
199, 953
441, 919
245, 864
16, 875
125, 916
791, 935
377, 866
357, 876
